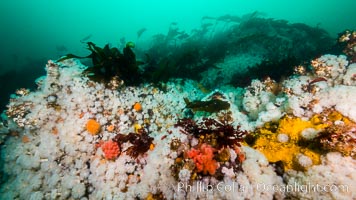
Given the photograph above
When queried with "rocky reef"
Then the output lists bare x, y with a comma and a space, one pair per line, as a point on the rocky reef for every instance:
75, 137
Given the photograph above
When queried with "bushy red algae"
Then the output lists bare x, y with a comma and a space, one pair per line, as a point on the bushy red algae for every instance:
218, 134
141, 142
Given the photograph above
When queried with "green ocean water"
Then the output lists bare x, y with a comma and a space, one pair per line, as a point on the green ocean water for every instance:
33, 31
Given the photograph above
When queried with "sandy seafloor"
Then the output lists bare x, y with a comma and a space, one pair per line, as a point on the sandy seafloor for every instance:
48, 153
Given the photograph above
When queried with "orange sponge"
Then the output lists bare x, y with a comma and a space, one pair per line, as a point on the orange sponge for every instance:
93, 127
137, 106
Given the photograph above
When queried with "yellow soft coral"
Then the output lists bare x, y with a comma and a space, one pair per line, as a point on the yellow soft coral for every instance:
284, 142
276, 150
293, 126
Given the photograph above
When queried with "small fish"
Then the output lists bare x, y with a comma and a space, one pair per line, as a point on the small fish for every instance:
86, 38
140, 32
206, 25
211, 106
202, 88
318, 79
61, 48
229, 18
207, 17
122, 41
